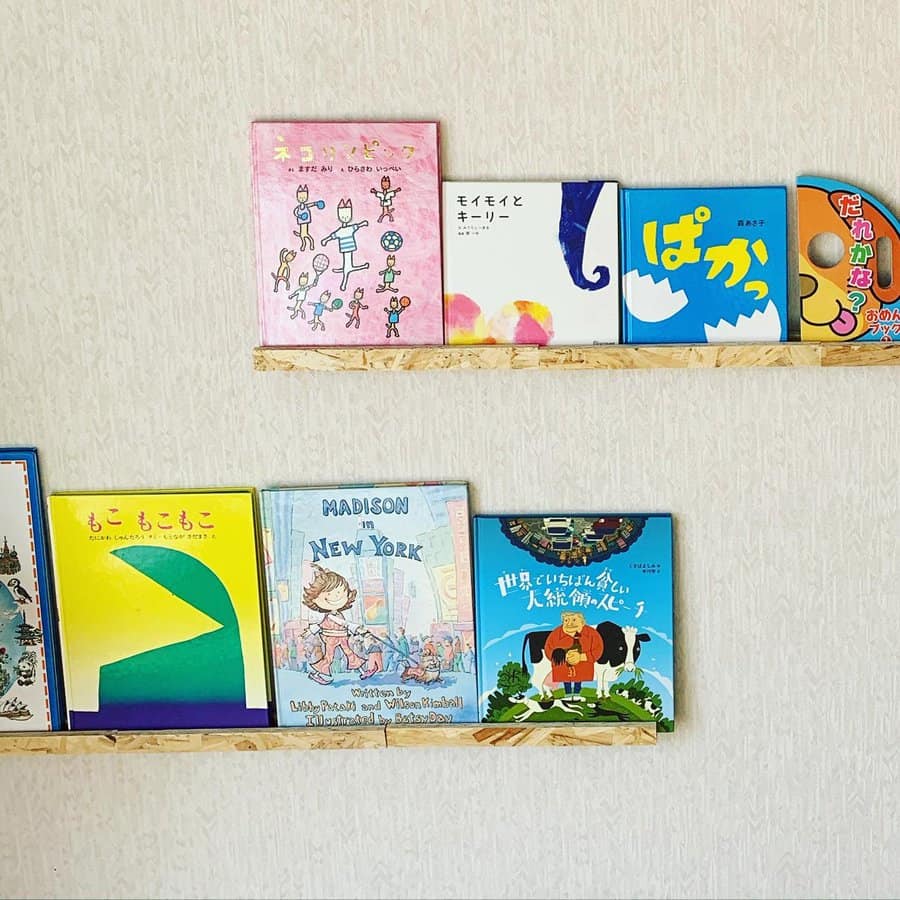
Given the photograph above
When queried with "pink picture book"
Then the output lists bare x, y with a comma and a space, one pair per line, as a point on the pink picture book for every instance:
348, 233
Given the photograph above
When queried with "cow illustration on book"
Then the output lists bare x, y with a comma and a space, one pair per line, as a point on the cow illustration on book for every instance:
575, 653
330, 593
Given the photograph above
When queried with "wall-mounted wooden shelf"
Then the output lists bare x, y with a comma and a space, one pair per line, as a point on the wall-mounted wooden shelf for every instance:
72, 743
562, 735
664, 356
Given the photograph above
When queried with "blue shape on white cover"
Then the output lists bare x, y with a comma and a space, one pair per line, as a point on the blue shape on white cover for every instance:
552, 244
576, 208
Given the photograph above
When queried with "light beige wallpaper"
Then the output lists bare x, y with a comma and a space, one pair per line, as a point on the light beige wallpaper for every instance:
128, 317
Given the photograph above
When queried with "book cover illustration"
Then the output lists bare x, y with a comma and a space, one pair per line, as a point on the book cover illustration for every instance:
704, 265
160, 609
531, 262
371, 604
28, 678
849, 247
575, 618
348, 232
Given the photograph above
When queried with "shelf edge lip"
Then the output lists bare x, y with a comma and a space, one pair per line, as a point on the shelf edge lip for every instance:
785, 354
72, 743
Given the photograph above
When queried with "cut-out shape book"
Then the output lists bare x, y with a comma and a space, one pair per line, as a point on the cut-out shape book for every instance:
704, 265
531, 262
849, 251
161, 619
29, 689
370, 604
575, 618
348, 233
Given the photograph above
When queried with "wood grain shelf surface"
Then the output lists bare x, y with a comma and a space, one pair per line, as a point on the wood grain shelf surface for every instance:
62, 743
561, 735
663, 356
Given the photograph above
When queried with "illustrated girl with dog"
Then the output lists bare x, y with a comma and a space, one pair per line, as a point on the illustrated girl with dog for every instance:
330, 594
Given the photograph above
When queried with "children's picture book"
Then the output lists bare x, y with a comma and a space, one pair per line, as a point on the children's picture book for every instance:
704, 265
160, 609
849, 248
575, 618
531, 262
348, 232
370, 604
29, 690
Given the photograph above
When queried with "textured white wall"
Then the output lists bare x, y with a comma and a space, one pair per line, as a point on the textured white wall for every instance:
128, 314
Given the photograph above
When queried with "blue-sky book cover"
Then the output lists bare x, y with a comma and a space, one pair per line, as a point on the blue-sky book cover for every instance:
704, 265
575, 618
370, 602
29, 687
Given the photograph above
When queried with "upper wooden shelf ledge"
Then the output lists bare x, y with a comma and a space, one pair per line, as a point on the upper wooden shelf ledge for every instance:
374, 737
617, 356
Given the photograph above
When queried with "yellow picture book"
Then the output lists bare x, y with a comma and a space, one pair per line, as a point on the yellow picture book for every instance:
161, 623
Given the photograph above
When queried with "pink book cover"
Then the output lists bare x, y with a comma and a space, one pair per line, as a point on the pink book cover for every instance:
348, 233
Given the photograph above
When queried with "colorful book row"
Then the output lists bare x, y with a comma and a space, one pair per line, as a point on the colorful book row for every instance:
360, 243
344, 606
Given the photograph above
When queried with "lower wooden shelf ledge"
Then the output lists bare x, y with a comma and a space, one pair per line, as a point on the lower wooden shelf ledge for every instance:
605, 356
70, 743
547, 735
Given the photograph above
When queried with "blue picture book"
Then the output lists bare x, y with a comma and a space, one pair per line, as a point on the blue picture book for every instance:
575, 618
29, 689
704, 265
370, 602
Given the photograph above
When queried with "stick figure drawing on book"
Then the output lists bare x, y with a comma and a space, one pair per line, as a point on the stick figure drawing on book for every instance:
388, 275
299, 296
322, 305
356, 306
394, 309
303, 214
330, 593
386, 198
283, 274
345, 235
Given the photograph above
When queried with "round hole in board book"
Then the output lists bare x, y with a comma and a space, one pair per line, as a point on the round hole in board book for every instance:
826, 249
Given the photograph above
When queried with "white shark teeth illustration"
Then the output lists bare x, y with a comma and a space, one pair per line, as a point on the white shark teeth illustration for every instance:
649, 300
761, 325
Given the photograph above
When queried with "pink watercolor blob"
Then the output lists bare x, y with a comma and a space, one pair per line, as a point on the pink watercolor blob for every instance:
522, 322
464, 321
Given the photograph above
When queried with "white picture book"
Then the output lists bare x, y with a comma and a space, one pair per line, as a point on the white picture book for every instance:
531, 262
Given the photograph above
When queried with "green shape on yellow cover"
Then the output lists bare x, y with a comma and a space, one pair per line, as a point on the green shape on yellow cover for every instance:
208, 668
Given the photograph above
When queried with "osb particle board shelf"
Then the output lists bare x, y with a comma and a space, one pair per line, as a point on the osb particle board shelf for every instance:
663, 356
89, 742
562, 735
